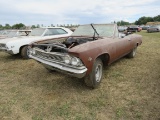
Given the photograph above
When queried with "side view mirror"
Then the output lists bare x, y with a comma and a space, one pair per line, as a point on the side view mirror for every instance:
122, 35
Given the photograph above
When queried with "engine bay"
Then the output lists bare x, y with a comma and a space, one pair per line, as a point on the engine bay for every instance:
69, 43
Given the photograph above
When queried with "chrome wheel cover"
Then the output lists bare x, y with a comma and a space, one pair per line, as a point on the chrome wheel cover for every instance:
28, 52
134, 51
98, 73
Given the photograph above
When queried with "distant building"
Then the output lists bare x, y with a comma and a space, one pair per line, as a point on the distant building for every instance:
153, 23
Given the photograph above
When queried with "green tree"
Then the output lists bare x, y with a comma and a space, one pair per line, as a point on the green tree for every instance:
52, 25
144, 20
38, 26
33, 26
121, 23
1, 26
18, 26
7, 26
157, 18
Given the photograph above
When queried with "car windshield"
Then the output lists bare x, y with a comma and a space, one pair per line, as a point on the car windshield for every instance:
55, 31
154, 26
120, 27
1, 32
37, 32
133, 26
106, 30
4, 32
12, 34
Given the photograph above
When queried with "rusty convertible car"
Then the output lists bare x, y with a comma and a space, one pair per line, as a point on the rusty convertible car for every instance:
86, 52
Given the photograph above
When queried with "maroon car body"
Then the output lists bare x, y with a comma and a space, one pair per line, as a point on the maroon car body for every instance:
86, 52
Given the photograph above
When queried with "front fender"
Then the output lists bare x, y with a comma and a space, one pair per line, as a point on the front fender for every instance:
89, 51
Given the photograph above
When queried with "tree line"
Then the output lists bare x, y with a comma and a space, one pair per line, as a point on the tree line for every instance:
15, 26
141, 21
23, 26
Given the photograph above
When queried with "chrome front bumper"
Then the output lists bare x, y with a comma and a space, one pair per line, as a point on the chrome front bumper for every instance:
7, 51
76, 72
3, 49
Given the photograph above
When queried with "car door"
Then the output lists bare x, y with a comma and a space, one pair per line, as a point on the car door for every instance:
123, 46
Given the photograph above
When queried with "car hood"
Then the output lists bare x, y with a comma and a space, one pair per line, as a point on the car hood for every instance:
3, 36
90, 45
25, 39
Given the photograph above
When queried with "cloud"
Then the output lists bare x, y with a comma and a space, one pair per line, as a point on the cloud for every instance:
75, 11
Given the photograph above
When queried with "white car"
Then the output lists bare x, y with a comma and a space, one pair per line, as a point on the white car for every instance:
14, 33
20, 44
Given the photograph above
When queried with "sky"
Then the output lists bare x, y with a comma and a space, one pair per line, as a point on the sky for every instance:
47, 12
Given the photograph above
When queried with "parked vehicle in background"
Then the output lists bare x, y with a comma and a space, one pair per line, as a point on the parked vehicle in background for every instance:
20, 44
154, 28
3, 34
72, 29
134, 29
14, 33
122, 28
145, 27
86, 52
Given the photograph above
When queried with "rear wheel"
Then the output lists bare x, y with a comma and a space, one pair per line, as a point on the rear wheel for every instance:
94, 78
132, 53
25, 52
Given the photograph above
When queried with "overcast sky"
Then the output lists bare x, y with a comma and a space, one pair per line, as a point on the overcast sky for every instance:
47, 12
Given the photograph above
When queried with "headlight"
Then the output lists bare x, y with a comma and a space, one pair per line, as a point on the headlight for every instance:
32, 51
72, 60
67, 59
75, 61
3, 45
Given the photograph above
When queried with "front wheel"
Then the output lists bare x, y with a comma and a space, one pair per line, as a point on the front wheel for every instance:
94, 78
25, 52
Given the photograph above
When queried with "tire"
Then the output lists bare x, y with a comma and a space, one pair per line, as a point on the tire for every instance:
25, 52
132, 53
94, 78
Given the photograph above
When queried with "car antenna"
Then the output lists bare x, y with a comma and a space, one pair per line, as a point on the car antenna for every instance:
95, 31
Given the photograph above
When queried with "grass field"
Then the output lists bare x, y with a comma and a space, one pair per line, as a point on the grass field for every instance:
130, 89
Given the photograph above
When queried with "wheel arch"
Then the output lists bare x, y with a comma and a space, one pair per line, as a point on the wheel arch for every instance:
105, 57
137, 44
21, 48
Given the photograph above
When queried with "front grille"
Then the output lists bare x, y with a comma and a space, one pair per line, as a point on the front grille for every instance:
48, 56
2, 45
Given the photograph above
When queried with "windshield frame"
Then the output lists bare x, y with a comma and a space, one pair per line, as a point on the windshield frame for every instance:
100, 28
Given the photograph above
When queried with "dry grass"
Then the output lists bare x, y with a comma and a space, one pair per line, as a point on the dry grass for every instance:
129, 90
